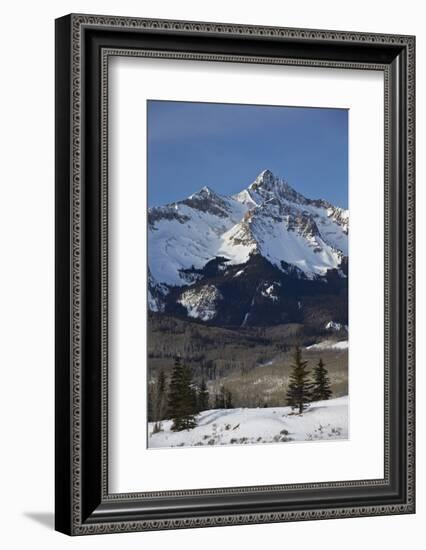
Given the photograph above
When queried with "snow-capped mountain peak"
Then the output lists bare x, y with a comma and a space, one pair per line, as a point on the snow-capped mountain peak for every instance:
265, 179
268, 186
268, 218
205, 191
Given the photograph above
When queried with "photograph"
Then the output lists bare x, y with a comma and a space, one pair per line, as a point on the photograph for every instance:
248, 273
234, 274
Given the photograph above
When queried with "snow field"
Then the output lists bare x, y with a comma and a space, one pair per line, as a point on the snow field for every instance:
324, 420
330, 344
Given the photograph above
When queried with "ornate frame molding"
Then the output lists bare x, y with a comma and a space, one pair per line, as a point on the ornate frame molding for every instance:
72, 44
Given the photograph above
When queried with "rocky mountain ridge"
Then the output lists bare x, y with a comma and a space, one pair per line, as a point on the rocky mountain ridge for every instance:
266, 255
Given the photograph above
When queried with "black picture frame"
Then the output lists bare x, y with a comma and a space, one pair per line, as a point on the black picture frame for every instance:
83, 44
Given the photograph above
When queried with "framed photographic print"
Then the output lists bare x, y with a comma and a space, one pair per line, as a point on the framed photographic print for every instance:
234, 274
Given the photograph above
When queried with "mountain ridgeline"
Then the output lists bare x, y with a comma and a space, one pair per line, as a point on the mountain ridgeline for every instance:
263, 257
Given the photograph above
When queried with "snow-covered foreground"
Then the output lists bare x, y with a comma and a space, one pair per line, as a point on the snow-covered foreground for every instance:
324, 420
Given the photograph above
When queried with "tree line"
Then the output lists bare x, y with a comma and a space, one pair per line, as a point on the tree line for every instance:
181, 400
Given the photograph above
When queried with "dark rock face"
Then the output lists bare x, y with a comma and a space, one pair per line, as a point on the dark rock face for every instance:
206, 200
259, 294
164, 213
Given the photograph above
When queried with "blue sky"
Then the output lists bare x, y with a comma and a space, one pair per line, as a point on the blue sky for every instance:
225, 146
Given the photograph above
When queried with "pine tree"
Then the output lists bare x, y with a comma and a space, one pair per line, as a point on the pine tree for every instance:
181, 397
322, 387
194, 400
299, 389
151, 404
174, 404
203, 397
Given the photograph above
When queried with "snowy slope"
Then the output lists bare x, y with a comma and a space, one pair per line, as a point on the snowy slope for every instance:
268, 218
325, 420
201, 304
330, 344
188, 234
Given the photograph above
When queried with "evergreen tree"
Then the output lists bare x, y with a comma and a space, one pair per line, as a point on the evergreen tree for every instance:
174, 404
194, 400
299, 389
322, 387
151, 404
203, 397
181, 397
